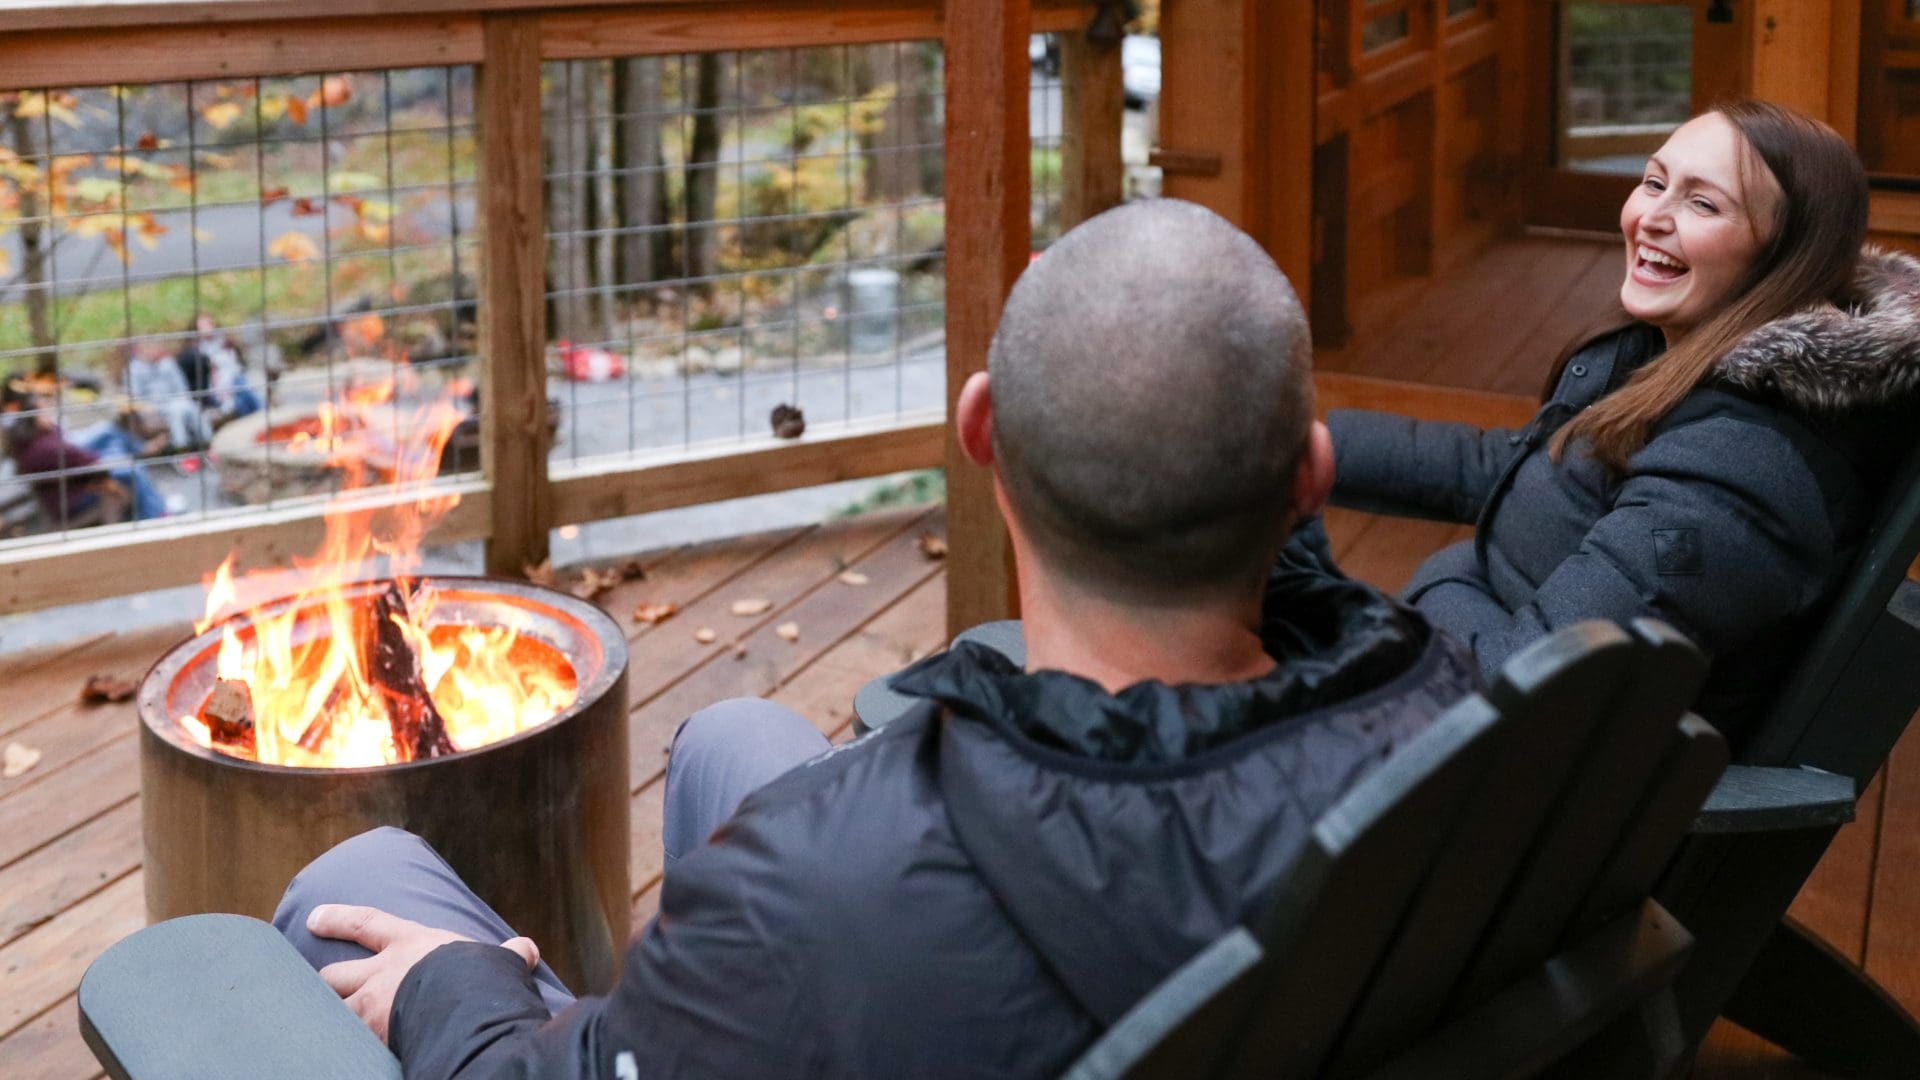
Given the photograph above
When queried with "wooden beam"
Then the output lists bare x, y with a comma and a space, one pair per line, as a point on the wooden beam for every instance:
1281, 128
1478, 407
734, 470
119, 560
1092, 108
1792, 47
989, 235
1204, 102
513, 400
644, 31
178, 53
43, 15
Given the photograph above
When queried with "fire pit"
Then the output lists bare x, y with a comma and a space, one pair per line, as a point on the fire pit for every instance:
536, 820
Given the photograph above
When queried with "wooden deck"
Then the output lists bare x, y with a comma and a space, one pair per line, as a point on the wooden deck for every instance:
70, 877
1494, 323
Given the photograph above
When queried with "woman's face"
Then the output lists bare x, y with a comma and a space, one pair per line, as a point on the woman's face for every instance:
1692, 228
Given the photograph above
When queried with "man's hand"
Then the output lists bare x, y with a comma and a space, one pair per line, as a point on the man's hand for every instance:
369, 985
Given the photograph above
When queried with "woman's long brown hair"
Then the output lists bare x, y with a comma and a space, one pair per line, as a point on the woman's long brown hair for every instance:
1815, 239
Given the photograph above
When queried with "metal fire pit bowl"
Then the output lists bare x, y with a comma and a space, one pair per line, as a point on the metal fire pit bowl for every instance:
537, 824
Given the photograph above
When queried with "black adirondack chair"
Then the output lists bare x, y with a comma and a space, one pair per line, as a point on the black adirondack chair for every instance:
1476, 908
1834, 725
1479, 906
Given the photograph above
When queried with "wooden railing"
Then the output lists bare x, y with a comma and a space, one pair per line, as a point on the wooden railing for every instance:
521, 496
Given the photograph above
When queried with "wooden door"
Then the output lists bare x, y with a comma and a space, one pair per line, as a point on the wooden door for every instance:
1610, 80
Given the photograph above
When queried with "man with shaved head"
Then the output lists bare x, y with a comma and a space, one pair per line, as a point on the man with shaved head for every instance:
988, 882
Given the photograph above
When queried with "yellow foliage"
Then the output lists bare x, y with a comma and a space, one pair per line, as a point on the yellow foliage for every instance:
294, 247
221, 114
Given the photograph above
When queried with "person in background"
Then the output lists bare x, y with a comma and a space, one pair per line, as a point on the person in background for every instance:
1714, 462
71, 481
986, 884
215, 370
155, 381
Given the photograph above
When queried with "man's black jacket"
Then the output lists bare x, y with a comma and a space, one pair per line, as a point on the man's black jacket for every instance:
982, 887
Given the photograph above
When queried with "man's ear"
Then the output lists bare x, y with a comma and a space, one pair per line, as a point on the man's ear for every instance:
1313, 476
973, 420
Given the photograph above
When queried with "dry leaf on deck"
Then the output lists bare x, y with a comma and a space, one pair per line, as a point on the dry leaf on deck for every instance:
594, 582
854, 577
932, 546
18, 759
705, 635
631, 570
101, 689
758, 605
651, 613
540, 573
788, 631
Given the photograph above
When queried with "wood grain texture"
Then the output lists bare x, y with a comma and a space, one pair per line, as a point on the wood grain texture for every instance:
1092, 107
989, 237
41, 968
513, 424
150, 54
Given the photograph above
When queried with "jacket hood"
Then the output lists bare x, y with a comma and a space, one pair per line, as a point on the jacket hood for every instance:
1122, 833
1861, 353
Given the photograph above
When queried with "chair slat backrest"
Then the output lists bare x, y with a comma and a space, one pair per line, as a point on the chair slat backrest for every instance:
1820, 718
1559, 701
1360, 952
1694, 758
1640, 707
1339, 902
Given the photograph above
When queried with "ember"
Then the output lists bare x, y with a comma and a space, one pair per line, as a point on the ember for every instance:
342, 674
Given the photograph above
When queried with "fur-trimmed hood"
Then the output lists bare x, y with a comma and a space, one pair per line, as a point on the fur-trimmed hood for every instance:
1864, 353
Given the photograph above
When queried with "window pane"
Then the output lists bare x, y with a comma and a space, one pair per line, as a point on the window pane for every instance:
1626, 82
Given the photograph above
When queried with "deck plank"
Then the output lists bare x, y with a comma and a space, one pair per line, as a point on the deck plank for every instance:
42, 968
72, 868
38, 681
1893, 913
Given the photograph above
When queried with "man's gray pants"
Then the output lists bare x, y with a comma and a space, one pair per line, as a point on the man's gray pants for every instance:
719, 756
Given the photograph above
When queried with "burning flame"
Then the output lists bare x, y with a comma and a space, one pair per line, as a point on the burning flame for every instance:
307, 660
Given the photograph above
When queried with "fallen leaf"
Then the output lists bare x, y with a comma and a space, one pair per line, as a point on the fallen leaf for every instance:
148, 141
788, 422
594, 582
633, 571
758, 605
788, 631
306, 207
272, 195
296, 109
705, 635
653, 614
221, 113
540, 573
932, 546
101, 689
854, 577
18, 759
294, 247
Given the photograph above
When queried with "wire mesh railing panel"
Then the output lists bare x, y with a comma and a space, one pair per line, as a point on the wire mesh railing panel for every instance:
735, 232
205, 287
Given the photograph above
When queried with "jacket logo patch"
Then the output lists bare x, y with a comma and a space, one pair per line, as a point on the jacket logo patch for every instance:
1678, 551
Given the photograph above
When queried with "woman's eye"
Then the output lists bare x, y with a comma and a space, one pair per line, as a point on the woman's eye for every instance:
1704, 206
1652, 183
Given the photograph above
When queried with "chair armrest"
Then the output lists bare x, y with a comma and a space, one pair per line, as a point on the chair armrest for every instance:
220, 997
1756, 798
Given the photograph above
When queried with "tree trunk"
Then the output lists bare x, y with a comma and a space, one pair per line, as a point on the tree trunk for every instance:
604, 210
33, 257
569, 209
642, 256
703, 175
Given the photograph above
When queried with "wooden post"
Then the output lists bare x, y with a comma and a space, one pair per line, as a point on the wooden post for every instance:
1092, 110
513, 396
989, 235
1237, 100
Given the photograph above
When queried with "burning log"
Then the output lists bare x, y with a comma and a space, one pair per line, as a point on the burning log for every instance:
228, 713
418, 730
